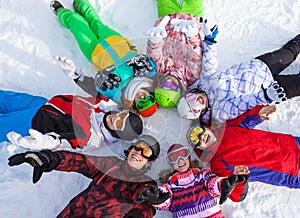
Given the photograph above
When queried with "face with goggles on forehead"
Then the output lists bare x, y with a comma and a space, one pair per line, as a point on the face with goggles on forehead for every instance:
117, 121
201, 137
197, 101
139, 155
179, 157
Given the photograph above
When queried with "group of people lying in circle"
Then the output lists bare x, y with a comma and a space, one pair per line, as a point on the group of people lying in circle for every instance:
179, 70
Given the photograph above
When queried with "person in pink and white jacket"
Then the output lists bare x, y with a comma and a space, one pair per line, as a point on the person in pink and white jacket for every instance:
176, 47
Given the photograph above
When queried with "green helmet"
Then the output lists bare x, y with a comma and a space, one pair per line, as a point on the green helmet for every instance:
167, 98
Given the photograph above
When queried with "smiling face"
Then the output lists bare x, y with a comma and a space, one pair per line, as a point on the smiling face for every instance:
136, 159
117, 121
141, 94
207, 139
182, 165
202, 100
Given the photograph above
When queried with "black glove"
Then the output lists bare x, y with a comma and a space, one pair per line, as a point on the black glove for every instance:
153, 195
104, 79
43, 161
141, 65
228, 185
134, 213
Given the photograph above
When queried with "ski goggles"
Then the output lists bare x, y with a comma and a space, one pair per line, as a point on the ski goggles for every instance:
168, 83
120, 122
192, 100
194, 134
177, 154
146, 150
144, 103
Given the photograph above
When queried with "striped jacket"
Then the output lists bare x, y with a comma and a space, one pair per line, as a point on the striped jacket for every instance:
193, 194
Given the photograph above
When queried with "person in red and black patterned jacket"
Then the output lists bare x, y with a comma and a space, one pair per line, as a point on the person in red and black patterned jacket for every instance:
117, 185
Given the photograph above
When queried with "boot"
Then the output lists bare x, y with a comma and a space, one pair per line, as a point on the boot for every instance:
294, 45
55, 5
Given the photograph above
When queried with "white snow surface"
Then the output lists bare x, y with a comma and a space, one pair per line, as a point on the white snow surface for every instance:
31, 35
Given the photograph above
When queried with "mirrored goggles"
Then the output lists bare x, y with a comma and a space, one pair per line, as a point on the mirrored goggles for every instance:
194, 134
146, 150
177, 154
144, 103
168, 84
192, 100
120, 121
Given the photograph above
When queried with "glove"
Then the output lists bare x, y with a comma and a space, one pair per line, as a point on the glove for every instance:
188, 27
158, 32
274, 93
210, 34
141, 65
134, 213
153, 195
68, 67
35, 141
228, 185
104, 79
43, 161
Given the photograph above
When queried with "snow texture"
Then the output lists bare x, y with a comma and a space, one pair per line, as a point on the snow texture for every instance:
31, 35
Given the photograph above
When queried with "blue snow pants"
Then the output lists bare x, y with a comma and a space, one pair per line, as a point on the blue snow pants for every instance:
16, 112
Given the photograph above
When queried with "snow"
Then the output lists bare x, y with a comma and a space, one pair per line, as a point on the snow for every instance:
31, 35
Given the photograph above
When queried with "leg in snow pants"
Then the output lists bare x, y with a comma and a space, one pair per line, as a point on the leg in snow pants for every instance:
280, 59
85, 25
16, 112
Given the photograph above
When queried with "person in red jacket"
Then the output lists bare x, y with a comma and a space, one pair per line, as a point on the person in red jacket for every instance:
68, 119
272, 158
116, 184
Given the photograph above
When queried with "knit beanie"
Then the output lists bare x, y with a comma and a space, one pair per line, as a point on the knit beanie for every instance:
134, 85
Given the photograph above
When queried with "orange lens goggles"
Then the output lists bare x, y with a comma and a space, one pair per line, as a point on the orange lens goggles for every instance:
146, 150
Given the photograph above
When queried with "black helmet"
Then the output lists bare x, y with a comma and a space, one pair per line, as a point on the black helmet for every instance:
151, 142
133, 127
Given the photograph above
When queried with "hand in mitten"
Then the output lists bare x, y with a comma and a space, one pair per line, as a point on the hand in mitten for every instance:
141, 65
35, 141
274, 93
228, 185
68, 67
153, 195
158, 32
104, 79
210, 34
43, 161
188, 27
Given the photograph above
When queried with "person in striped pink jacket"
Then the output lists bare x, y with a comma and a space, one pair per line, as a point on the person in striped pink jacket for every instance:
194, 192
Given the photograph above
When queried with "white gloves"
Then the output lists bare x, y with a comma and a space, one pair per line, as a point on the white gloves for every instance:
36, 140
274, 93
188, 27
158, 32
68, 67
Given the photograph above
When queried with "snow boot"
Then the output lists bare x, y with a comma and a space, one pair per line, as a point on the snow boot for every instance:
55, 5
294, 45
